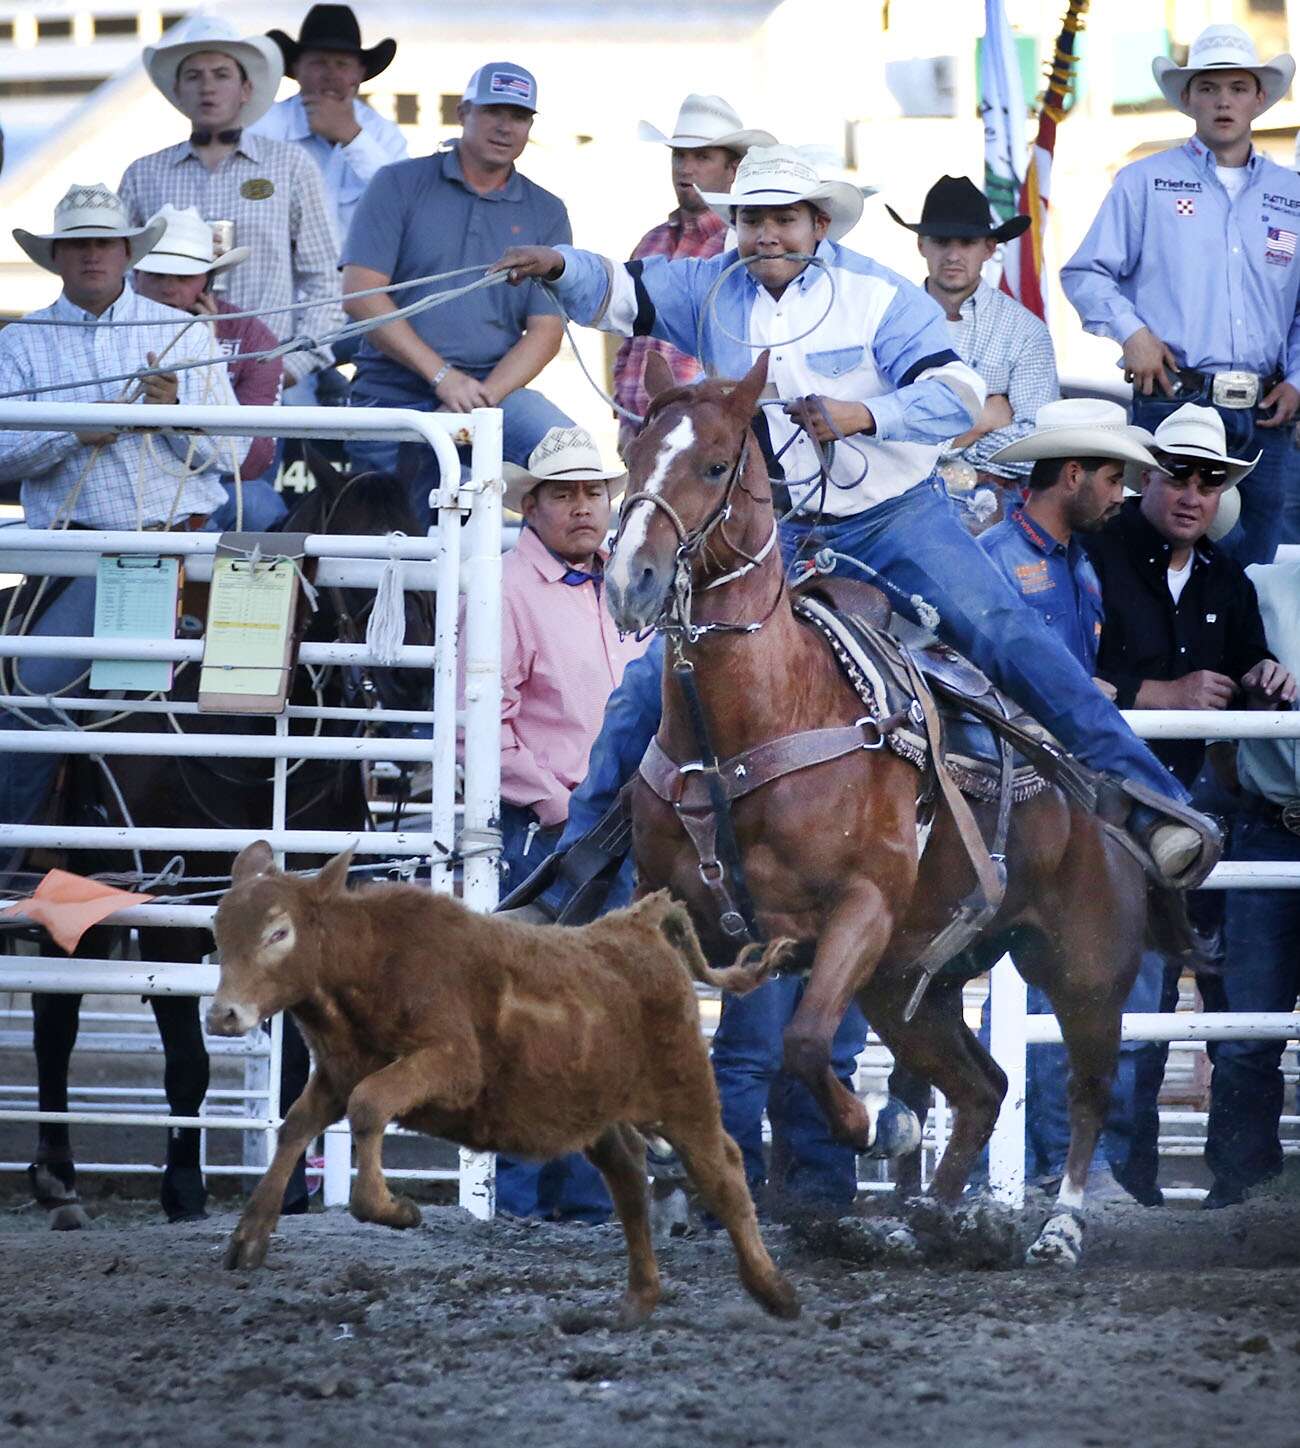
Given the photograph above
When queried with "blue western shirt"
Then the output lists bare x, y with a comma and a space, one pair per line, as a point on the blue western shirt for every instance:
420, 217
1055, 579
871, 337
1215, 279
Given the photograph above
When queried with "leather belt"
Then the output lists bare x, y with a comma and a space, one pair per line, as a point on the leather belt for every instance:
1232, 389
191, 523
1280, 816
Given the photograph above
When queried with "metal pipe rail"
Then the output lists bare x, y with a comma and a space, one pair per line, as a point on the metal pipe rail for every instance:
63, 646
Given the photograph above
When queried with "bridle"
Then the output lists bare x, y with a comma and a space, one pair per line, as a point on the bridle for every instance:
675, 617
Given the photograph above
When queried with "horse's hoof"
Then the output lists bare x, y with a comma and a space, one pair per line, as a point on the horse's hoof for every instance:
1059, 1244
895, 1131
183, 1196
70, 1217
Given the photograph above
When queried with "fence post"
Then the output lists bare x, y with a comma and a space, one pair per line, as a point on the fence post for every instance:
336, 1187
1007, 1046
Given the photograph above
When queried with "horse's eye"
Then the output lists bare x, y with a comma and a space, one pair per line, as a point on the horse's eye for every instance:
718, 470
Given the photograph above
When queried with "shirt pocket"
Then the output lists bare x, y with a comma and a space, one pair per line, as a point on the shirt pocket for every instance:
836, 362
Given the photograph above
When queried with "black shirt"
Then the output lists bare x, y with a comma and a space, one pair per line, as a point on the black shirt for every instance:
1215, 624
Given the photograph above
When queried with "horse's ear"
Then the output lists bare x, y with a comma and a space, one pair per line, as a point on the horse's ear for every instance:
658, 375
743, 397
333, 878
253, 860
328, 478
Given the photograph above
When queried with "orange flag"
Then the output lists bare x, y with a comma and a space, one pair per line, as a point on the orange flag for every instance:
68, 905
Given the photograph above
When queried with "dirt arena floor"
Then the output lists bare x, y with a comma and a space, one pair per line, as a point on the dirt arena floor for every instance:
1183, 1328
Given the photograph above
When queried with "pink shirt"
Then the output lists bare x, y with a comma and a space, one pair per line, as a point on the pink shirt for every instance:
561, 658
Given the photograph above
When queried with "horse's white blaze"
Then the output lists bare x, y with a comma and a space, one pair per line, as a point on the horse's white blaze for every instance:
676, 442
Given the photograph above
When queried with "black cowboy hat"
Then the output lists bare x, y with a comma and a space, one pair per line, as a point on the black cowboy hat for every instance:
955, 206
334, 27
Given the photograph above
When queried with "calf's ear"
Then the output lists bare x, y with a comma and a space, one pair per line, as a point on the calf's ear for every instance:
253, 860
333, 878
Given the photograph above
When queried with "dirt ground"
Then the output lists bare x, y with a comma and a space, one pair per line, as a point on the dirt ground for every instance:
1182, 1328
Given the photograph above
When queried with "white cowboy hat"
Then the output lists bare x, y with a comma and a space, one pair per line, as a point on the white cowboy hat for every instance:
565, 454
1222, 47
1197, 432
706, 121
782, 176
1225, 520
185, 248
1080, 427
85, 211
258, 54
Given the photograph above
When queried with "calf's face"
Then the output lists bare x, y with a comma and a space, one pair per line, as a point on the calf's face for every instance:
260, 928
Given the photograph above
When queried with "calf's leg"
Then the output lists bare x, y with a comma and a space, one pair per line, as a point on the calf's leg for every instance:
446, 1076
619, 1155
319, 1106
714, 1164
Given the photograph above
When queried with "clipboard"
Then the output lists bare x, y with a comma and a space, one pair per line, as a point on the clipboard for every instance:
137, 596
251, 641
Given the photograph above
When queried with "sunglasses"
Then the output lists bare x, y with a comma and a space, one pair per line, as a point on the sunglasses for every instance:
1182, 469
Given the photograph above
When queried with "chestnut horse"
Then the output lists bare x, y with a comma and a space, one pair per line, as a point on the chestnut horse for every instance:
831, 854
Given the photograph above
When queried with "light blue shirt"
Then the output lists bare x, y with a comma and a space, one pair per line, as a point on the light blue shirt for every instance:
871, 337
1271, 767
346, 170
1215, 279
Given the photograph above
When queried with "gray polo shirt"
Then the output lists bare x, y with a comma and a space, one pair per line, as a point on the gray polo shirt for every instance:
419, 217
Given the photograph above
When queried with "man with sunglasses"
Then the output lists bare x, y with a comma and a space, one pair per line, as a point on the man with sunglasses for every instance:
1182, 630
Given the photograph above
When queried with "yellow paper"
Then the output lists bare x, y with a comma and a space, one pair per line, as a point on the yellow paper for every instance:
249, 616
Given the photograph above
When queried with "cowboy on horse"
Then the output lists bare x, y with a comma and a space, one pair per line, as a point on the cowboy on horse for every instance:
863, 389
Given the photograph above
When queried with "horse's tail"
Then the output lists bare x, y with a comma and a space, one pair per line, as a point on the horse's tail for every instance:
751, 968
1171, 932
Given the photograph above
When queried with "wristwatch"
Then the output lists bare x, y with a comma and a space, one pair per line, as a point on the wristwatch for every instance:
439, 375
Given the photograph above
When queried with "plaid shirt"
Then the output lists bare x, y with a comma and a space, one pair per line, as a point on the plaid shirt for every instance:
285, 220
50, 464
685, 233
1012, 351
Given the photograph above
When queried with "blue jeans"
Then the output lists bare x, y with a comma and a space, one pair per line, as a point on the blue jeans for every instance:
264, 508
1261, 973
568, 1187
1270, 496
27, 780
747, 1068
526, 417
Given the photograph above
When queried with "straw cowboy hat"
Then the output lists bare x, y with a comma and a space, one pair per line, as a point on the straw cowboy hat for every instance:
335, 28
955, 206
564, 455
258, 54
1081, 427
1223, 47
706, 121
89, 211
780, 176
185, 247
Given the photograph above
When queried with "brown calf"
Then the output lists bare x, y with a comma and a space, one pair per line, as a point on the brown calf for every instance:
532, 1040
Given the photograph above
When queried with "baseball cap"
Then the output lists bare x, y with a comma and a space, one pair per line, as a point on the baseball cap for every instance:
502, 84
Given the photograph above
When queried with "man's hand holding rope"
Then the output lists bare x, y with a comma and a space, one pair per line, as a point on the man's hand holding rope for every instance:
828, 419
524, 263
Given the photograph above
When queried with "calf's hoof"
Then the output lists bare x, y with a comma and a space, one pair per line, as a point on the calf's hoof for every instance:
894, 1129
635, 1309
398, 1212
779, 1298
246, 1249
1059, 1244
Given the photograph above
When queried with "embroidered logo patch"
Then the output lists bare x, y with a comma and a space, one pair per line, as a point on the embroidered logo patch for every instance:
513, 87
1184, 206
1034, 577
258, 189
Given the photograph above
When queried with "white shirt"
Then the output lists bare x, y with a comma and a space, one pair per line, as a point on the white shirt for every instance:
1177, 577
1232, 177
345, 170
135, 480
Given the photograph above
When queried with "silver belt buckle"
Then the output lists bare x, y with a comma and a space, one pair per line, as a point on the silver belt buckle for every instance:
1235, 389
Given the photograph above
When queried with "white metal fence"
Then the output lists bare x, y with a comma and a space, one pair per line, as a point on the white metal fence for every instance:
464, 550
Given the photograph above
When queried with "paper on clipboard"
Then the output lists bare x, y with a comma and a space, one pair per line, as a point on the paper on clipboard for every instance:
135, 598
246, 654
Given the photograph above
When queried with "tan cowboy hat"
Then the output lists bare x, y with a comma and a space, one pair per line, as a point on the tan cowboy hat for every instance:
185, 248
85, 211
258, 54
706, 121
565, 454
1080, 427
1223, 47
782, 176
1197, 433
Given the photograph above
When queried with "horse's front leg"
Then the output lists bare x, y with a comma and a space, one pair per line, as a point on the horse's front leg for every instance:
852, 942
